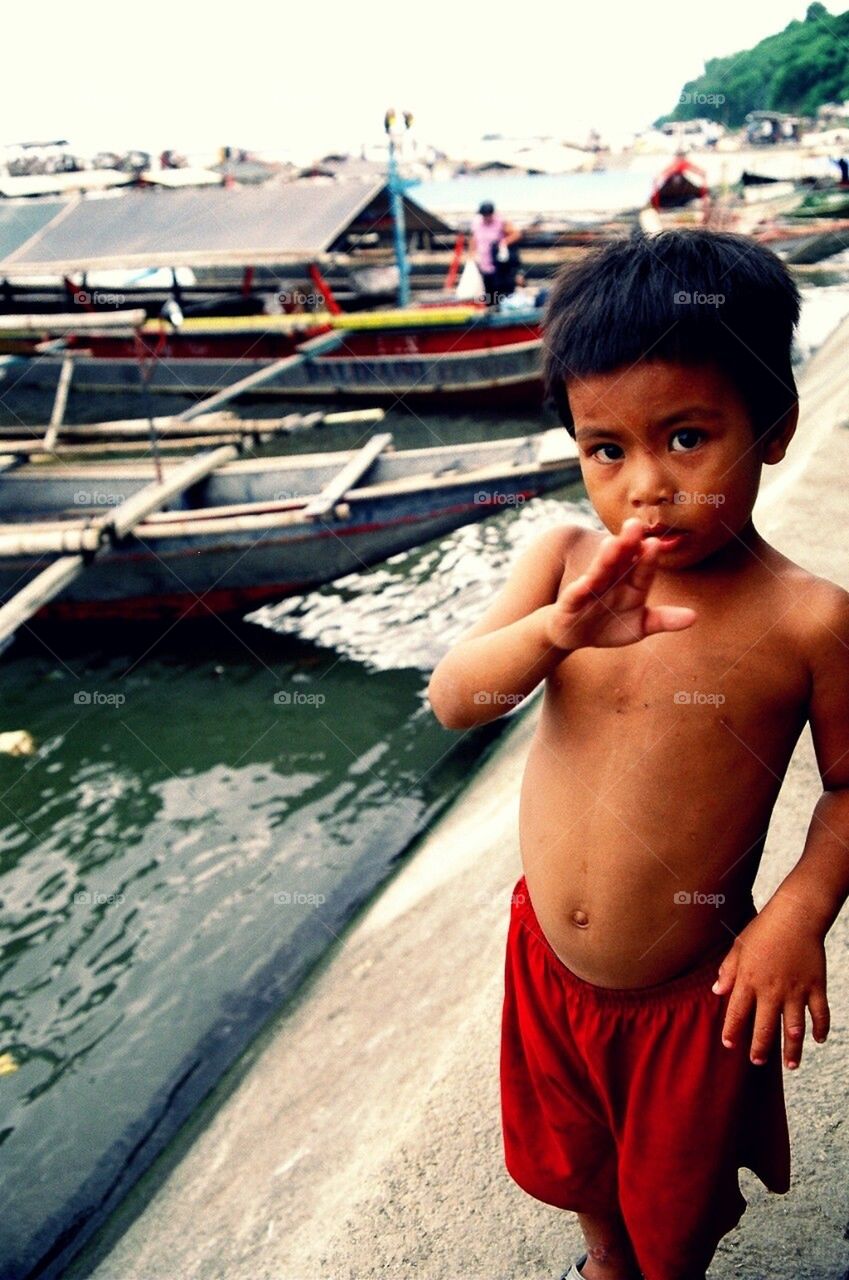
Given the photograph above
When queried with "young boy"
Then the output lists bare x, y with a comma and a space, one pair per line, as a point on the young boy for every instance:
682, 656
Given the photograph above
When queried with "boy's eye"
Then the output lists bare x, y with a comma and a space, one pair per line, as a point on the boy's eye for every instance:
598, 452
687, 439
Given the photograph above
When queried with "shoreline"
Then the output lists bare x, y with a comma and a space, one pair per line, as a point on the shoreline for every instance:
359, 1136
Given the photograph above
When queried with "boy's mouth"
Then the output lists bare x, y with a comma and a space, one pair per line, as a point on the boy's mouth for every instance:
668, 537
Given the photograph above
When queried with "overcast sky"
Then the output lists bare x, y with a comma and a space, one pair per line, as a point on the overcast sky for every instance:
317, 75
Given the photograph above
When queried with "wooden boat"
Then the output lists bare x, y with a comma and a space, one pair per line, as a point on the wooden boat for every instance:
434, 355
257, 530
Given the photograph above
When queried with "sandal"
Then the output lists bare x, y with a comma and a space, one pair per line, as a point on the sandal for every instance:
574, 1272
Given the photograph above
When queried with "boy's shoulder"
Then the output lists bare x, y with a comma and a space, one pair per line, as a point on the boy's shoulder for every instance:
818, 606
570, 544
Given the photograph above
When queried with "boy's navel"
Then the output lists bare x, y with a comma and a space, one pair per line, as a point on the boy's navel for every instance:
580, 918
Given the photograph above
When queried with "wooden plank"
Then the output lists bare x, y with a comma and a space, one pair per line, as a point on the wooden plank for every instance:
347, 478
71, 323
30, 598
316, 346
153, 496
225, 423
61, 401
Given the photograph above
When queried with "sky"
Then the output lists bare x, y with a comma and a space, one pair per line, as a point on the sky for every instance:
317, 76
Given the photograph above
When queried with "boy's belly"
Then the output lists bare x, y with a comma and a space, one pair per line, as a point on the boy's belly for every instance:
640, 846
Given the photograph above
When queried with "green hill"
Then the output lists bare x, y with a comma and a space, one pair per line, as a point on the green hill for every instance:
795, 71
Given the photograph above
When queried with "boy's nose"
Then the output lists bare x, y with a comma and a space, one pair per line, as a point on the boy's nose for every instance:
650, 485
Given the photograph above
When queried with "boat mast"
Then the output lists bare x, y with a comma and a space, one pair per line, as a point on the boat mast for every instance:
397, 186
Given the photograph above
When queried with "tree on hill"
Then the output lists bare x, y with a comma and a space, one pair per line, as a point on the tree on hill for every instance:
795, 71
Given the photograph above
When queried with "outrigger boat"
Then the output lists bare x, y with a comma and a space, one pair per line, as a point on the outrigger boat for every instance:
450, 354
252, 531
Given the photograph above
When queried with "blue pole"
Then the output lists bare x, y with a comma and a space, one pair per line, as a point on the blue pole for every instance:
396, 187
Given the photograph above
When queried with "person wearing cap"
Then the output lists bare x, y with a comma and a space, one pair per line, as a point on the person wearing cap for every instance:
491, 237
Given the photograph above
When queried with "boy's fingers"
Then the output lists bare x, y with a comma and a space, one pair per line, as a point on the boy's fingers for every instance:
668, 617
736, 1016
645, 566
820, 1015
727, 974
763, 1037
793, 1018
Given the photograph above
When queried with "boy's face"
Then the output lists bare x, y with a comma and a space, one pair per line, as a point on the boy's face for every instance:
673, 445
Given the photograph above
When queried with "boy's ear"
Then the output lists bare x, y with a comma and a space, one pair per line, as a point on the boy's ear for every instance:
775, 444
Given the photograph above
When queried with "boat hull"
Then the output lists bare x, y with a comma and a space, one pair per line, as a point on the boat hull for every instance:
196, 563
474, 359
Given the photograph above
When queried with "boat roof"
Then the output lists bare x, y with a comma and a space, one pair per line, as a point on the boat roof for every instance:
20, 220
274, 223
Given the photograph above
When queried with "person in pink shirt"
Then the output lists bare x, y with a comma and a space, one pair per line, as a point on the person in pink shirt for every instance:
490, 233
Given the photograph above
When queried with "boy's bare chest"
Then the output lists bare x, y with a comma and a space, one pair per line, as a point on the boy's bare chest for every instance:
749, 670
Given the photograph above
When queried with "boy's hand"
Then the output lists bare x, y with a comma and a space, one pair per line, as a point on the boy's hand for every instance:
606, 606
779, 971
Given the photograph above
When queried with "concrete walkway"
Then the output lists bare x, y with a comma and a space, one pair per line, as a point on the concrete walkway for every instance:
359, 1138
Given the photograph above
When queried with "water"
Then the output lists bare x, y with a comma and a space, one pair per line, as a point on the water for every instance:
579, 194
205, 813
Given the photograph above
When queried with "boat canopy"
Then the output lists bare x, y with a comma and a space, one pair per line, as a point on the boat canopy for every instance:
273, 224
20, 220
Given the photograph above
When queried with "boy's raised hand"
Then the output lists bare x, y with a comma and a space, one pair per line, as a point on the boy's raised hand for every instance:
606, 606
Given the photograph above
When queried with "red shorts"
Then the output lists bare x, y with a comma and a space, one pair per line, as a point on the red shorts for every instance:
629, 1095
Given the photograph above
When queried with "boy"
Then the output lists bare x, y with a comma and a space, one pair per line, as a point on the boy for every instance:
682, 656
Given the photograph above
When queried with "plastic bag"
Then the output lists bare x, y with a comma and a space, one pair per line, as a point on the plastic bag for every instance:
470, 284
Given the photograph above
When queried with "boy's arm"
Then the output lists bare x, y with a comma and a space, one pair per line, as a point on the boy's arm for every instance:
778, 962
503, 657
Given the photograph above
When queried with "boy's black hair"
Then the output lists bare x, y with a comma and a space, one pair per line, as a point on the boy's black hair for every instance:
684, 296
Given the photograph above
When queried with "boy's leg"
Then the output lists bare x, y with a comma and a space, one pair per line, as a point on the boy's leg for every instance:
609, 1252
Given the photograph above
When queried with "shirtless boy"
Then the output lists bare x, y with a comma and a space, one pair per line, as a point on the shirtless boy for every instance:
646, 1000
